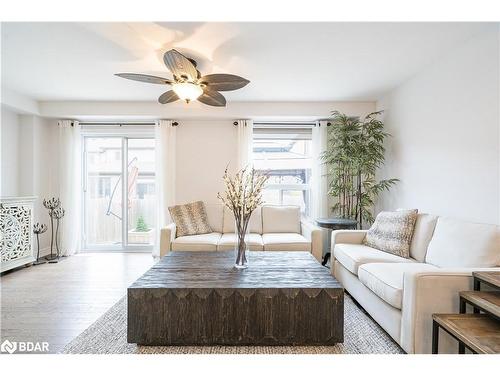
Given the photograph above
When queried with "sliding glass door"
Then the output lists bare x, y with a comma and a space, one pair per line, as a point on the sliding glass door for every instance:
119, 193
141, 194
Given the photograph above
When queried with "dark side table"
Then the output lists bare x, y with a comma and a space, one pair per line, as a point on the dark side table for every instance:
332, 224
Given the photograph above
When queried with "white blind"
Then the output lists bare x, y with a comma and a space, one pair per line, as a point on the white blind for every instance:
283, 131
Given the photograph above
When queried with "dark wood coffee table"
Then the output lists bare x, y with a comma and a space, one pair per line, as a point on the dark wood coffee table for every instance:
198, 298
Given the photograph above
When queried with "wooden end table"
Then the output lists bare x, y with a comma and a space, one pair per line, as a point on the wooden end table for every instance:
492, 279
199, 298
332, 224
479, 332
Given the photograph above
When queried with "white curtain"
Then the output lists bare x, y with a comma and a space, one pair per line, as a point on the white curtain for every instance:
165, 136
70, 187
245, 139
319, 181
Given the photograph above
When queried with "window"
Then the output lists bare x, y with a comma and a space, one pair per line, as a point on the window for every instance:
284, 152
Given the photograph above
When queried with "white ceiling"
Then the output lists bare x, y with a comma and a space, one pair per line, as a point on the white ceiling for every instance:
283, 61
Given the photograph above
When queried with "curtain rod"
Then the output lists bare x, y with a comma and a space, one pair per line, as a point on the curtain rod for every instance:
98, 123
290, 124
298, 123
264, 125
115, 123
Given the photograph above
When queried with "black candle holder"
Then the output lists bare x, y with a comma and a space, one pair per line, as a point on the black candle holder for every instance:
57, 214
51, 205
39, 229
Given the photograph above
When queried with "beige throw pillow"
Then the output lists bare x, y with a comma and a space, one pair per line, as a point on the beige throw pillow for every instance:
392, 232
190, 219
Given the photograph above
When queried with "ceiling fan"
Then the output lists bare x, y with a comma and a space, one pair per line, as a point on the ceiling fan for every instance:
188, 84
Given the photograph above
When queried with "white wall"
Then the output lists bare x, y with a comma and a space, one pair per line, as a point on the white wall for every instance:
28, 159
9, 135
445, 127
42, 177
204, 148
20, 103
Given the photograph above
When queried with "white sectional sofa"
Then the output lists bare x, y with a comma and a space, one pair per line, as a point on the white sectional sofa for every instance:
402, 294
272, 228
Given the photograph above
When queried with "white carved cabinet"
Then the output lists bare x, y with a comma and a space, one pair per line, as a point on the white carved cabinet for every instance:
16, 232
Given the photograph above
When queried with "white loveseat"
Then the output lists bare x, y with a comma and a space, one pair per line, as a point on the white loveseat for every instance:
402, 294
271, 228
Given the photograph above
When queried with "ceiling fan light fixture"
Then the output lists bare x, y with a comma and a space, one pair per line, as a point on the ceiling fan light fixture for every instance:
188, 83
187, 91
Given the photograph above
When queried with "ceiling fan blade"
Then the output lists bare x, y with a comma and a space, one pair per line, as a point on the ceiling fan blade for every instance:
224, 82
212, 98
145, 78
168, 97
179, 65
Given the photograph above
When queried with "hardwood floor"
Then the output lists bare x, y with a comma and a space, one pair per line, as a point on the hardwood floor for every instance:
56, 302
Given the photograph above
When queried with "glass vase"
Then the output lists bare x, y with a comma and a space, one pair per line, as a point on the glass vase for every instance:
240, 250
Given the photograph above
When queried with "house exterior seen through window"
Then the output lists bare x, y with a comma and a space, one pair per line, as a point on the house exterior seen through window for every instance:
284, 153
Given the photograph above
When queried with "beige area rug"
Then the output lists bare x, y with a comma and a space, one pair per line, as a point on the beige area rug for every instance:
108, 335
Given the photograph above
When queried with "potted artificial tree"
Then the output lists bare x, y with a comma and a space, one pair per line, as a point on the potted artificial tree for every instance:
355, 152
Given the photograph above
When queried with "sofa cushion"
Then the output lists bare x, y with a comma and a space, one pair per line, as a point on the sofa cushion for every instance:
457, 243
386, 279
214, 215
422, 235
228, 241
285, 242
254, 226
280, 219
351, 256
199, 242
392, 232
190, 218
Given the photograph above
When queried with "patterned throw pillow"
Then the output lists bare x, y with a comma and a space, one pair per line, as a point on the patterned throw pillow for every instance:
392, 232
190, 219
